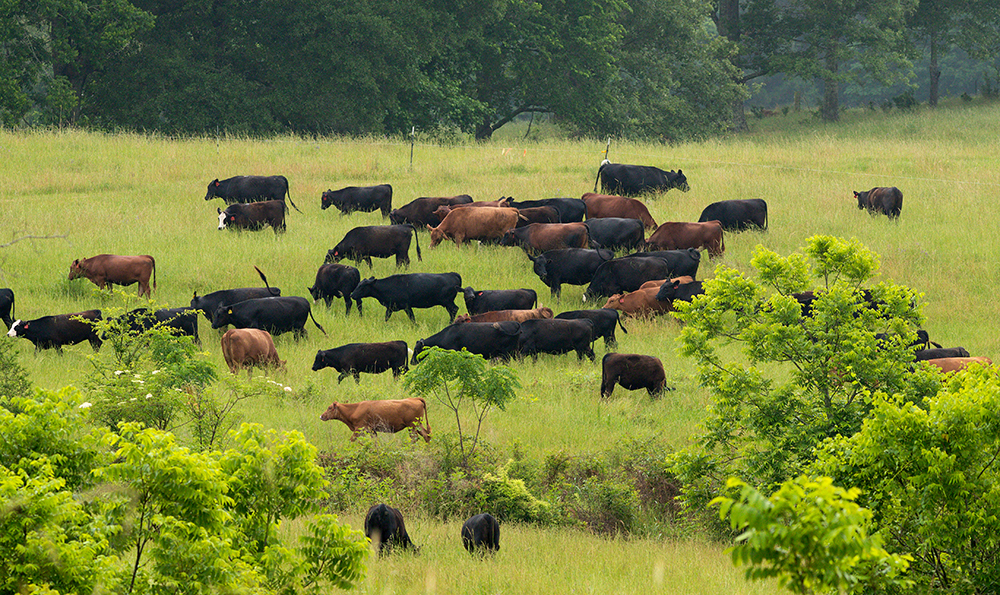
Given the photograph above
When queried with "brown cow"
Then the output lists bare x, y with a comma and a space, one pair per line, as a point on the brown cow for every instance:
542, 237
420, 211
954, 364
464, 225
389, 416
641, 302
632, 372
501, 315
675, 235
657, 283
887, 200
531, 215
606, 205
110, 269
249, 347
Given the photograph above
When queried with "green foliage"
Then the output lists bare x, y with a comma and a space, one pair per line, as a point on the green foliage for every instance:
810, 535
14, 380
930, 475
335, 554
798, 379
509, 499
461, 380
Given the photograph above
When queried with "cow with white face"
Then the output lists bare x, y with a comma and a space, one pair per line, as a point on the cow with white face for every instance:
254, 216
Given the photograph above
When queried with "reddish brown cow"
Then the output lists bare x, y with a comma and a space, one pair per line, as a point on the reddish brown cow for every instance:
632, 372
463, 225
542, 237
641, 302
389, 416
954, 364
675, 235
501, 315
658, 282
110, 269
606, 205
249, 347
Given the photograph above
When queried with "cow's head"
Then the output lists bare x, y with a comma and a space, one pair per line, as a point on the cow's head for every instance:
221, 316
328, 198
437, 235
13, 328
212, 189
862, 198
470, 294
363, 289
222, 218
320, 362
462, 318
417, 348
76, 269
508, 238
332, 257
332, 412
681, 182
540, 267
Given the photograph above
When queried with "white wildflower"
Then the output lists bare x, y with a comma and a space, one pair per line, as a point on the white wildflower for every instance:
119, 372
85, 405
149, 395
288, 389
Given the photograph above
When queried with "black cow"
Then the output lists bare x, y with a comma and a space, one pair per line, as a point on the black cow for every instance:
887, 200
630, 272
556, 336
384, 526
632, 180
936, 353
671, 291
184, 320
604, 320
359, 198
7, 306
482, 533
380, 241
490, 300
254, 216
492, 340
275, 315
416, 290
335, 280
50, 332
737, 215
617, 233
211, 302
244, 189
570, 210
632, 371
573, 266
420, 212
370, 358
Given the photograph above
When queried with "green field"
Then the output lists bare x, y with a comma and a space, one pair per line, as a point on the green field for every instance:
132, 194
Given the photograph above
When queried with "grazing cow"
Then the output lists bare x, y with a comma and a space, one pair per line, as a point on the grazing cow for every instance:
489, 204
420, 212
406, 292
885, 200
571, 210
573, 266
492, 340
529, 215
249, 347
370, 358
600, 206
632, 372
254, 216
50, 332
633, 180
481, 533
110, 269
244, 189
630, 272
683, 289
184, 320
676, 235
542, 237
954, 364
335, 280
359, 198
737, 215
211, 302
380, 241
463, 225
617, 233
868, 300
275, 315
388, 416
384, 527
641, 302
502, 315
939, 353
7, 306
556, 336
486, 300
604, 320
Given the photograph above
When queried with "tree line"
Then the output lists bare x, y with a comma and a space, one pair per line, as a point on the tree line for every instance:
655, 69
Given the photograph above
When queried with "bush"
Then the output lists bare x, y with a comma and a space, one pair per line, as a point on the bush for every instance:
509, 499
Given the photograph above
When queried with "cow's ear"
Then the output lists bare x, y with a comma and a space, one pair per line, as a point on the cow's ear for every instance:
679, 172
217, 182
218, 210
855, 194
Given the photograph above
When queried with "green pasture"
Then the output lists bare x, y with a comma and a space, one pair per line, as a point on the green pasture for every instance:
133, 194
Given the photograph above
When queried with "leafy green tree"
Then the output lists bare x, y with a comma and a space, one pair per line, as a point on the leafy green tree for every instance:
781, 382
930, 473
461, 380
811, 536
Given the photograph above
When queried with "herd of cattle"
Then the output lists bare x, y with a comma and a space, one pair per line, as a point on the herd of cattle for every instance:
598, 240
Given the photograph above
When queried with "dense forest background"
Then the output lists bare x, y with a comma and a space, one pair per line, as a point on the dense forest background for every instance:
665, 70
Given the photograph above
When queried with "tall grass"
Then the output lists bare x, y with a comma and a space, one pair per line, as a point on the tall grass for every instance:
133, 194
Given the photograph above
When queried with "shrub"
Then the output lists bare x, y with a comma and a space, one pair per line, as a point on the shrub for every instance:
509, 499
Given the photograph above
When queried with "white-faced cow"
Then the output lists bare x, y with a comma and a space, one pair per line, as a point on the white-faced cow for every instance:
254, 216
52, 332
110, 269
388, 416
249, 348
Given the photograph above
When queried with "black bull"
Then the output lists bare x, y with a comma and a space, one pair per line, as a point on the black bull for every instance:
243, 189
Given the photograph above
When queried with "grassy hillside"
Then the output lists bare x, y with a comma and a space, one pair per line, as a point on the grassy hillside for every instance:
130, 194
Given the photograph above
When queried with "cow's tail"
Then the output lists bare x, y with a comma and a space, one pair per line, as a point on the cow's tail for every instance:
599, 170
427, 420
416, 241
765, 216
288, 192
625, 330
153, 260
264, 279
316, 323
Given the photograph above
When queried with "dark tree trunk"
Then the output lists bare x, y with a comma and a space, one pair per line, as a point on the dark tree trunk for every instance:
935, 73
830, 110
739, 123
484, 131
728, 24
